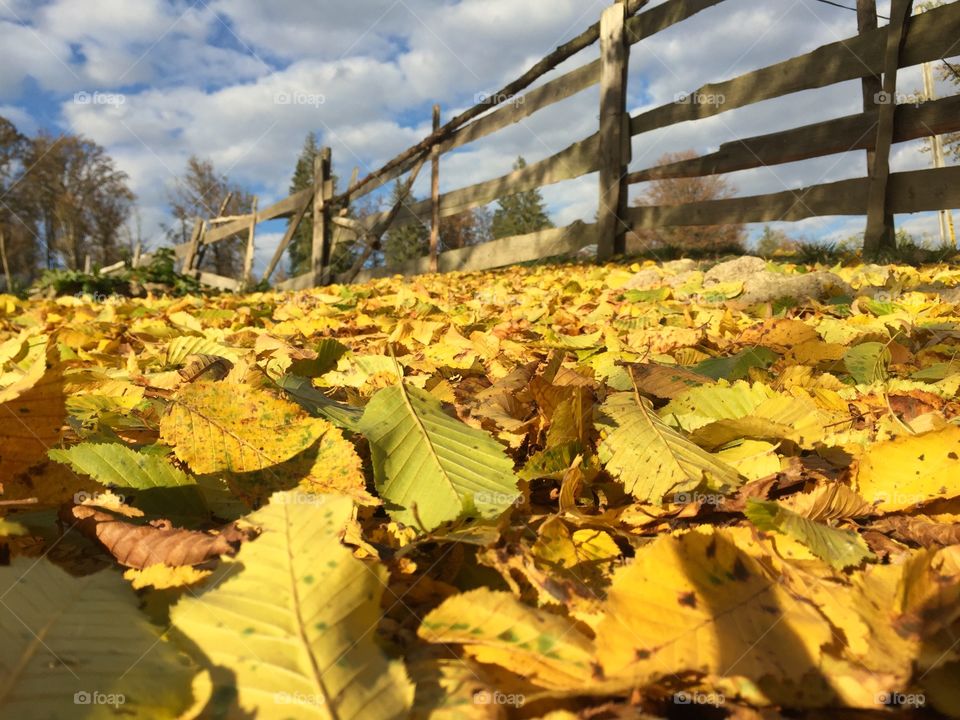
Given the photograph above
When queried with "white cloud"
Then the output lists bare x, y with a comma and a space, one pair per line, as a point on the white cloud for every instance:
205, 79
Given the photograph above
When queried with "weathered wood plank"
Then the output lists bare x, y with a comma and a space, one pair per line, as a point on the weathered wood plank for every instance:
852, 132
435, 195
321, 173
562, 53
497, 253
285, 242
614, 58
909, 192
284, 208
191, 247
218, 281
931, 36
880, 234
574, 161
661, 17
249, 253
524, 106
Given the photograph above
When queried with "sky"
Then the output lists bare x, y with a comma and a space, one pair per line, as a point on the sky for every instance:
242, 82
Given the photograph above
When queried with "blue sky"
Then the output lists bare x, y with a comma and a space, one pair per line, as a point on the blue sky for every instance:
169, 78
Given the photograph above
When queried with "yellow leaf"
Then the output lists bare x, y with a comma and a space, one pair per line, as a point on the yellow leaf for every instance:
162, 577
496, 628
911, 470
218, 426
698, 603
32, 410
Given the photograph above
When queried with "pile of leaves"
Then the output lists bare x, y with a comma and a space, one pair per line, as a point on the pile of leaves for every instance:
525, 493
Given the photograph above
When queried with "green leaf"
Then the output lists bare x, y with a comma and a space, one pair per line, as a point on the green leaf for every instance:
704, 405
551, 462
122, 466
937, 371
329, 352
644, 296
293, 617
867, 363
737, 367
302, 391
64, 636
651, 458
431, 467
840, 548
180, 348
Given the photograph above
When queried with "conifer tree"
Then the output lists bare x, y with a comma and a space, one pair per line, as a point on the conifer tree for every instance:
520, 214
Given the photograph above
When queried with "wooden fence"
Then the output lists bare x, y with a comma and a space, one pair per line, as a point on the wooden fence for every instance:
873, 56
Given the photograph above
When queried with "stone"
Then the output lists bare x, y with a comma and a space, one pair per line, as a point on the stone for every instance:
768, 286
732, 270
644, 280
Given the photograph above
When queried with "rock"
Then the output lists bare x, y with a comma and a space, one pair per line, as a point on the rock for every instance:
740, 269
683, 278
667, 274
767, 286
644, 280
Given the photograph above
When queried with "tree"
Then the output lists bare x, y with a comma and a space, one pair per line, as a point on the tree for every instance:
681, 191
520, 214
78, 198
471, 227
406, 242
201, 192
301, 245
18, 246
773, 241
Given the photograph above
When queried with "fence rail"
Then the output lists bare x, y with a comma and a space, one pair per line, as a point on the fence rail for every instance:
874, 53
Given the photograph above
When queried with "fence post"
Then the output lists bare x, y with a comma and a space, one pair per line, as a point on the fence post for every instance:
435, 196
614, 57
872, 86
323, 191
880, 235
248, 257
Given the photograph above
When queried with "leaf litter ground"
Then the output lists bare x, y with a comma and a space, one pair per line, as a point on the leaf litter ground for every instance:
556, 492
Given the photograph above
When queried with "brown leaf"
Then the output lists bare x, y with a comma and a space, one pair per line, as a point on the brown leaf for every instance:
211, 367
140, 546
666, 382
919, 530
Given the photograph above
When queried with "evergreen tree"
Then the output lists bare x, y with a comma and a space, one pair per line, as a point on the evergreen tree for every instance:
520, 214
301, 245
408, 241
